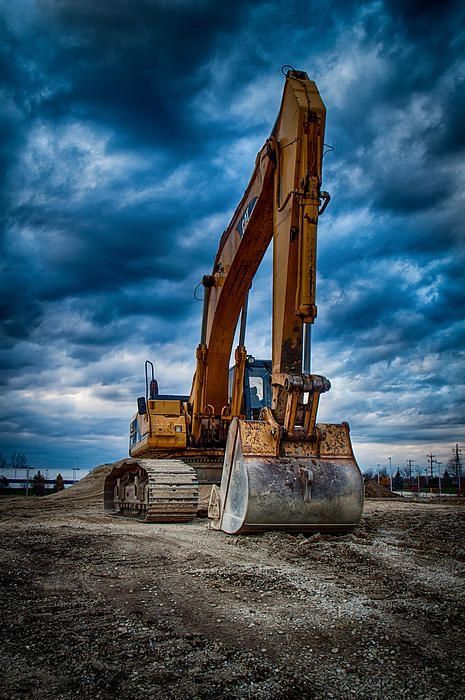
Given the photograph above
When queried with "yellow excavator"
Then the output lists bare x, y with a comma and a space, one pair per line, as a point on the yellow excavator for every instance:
248, 435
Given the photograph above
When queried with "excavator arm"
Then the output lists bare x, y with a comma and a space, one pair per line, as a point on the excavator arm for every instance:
241, 249
281, 203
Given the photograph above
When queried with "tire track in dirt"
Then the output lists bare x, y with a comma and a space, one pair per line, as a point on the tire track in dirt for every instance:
102, 607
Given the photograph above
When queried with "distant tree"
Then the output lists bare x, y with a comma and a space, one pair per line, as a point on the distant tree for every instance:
4, 483
384, 480
368, 474
446, 479
38, 484
59, 483
18, 459
397, 481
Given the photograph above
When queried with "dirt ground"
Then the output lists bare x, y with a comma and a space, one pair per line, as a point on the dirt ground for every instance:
100, 607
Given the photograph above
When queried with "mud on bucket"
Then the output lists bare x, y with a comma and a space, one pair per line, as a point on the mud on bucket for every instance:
292, 491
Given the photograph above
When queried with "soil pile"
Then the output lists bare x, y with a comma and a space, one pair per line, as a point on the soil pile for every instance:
375, 490
86, 496
91, 486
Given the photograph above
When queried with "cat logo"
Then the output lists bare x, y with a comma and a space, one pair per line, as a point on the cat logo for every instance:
245, 218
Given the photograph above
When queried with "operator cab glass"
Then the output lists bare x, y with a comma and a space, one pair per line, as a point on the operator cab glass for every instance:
257, 386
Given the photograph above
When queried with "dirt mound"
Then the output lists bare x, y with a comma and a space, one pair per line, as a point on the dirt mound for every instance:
375, 490
84, 497
88, 487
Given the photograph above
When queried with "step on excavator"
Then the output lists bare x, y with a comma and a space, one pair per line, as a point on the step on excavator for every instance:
247, 436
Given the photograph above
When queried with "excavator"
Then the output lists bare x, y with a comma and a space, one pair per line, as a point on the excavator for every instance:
248, 435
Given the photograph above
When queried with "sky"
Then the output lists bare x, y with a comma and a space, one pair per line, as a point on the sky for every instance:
129, 132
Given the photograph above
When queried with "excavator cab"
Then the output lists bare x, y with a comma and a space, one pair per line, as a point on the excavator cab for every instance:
257, 387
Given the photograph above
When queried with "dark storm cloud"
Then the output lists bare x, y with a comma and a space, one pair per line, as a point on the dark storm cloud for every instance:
134, 66
428, 21
129, 131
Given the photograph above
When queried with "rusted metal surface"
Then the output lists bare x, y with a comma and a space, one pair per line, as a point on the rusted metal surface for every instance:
294, 491
331, 440
259, 437
152, 490
335, 440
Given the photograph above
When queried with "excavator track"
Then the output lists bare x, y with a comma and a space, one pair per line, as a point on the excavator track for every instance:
152, 490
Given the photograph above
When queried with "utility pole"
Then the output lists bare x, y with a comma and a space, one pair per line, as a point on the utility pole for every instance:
390, 471
431, 459
377, 472
409, 467
439, 477
458, 466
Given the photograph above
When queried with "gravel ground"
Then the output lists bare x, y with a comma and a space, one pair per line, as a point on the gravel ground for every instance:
101, 607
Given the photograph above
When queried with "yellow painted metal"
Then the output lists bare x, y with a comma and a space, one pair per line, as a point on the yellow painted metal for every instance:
160, 431
299, 140
236, 262
281, 203
240, 356
168, 407
197, 397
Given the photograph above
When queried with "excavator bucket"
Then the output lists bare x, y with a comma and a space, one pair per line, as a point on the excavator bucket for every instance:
306, 487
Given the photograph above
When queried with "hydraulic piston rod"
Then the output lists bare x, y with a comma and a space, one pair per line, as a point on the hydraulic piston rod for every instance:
307, 349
